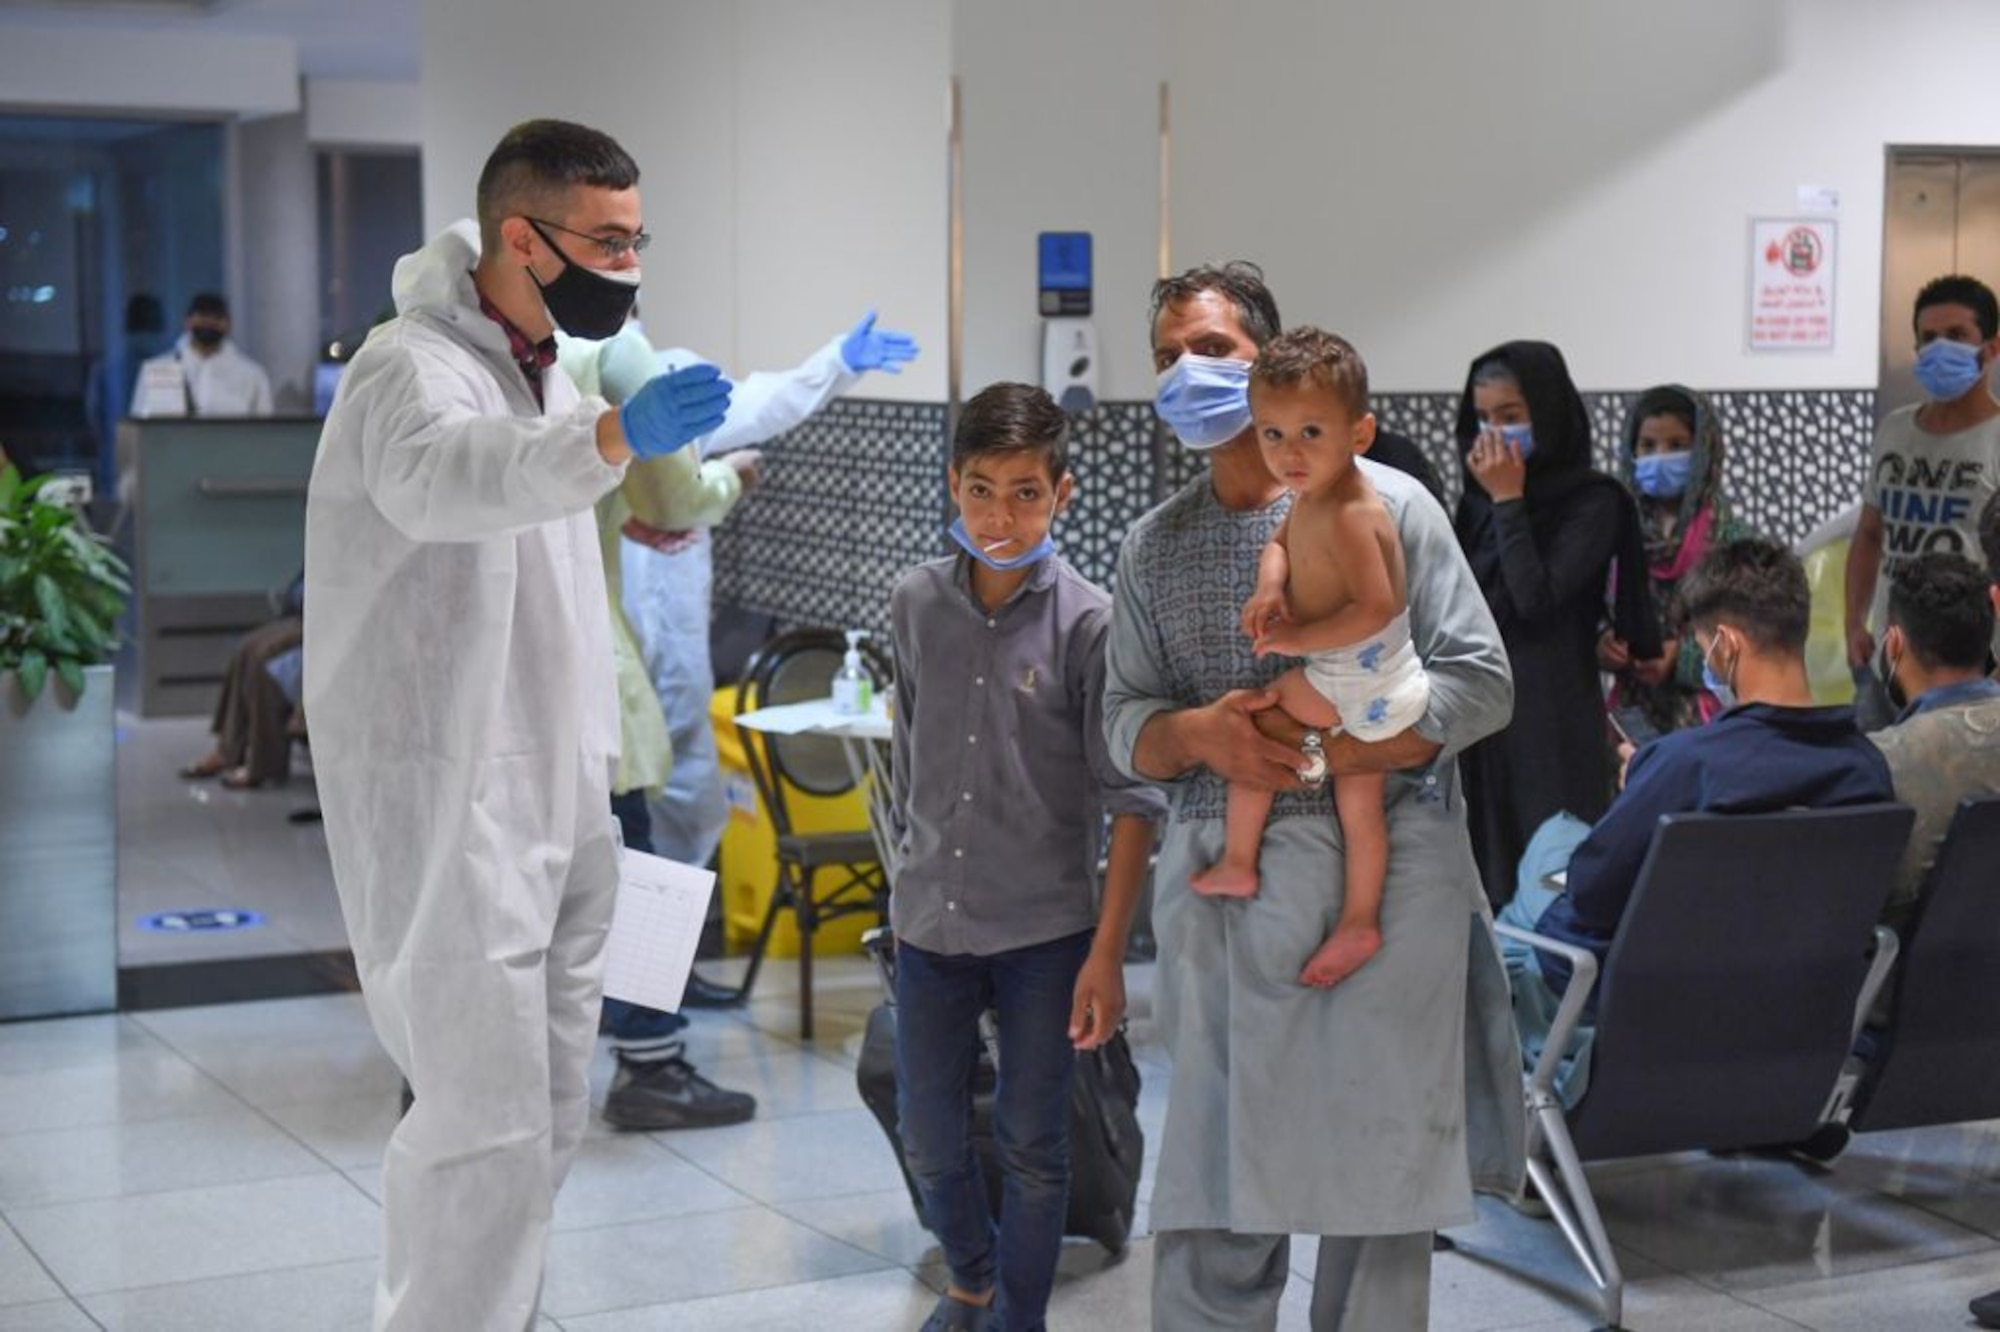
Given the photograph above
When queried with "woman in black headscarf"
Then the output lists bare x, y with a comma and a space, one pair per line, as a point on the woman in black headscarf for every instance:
1556, 547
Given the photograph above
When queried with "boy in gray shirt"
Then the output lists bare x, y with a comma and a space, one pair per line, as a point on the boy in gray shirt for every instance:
1000, 786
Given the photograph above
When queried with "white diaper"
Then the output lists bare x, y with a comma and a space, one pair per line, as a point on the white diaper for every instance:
1378, 684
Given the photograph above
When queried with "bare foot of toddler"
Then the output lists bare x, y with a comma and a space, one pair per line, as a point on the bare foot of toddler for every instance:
1223, 879
1343, 954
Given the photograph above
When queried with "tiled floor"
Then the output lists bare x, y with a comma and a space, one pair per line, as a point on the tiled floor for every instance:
218, 1168
215, 1169
186, 845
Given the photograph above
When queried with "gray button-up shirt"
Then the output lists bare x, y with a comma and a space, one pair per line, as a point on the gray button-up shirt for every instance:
1001, 778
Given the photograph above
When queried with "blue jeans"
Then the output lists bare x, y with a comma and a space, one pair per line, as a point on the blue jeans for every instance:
625, 1021
939, 1000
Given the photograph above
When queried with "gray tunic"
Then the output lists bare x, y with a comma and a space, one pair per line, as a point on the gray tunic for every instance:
1376, 1107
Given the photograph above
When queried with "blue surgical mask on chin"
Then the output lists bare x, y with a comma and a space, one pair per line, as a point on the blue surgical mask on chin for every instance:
1662, 475
1205, 400
1948, 370
1520, 436
1041, 550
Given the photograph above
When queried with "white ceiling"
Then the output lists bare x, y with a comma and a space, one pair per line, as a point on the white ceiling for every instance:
337, 39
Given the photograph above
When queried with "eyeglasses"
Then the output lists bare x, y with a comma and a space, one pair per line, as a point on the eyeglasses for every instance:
611, 247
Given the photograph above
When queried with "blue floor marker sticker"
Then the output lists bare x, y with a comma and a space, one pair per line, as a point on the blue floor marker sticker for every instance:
208, 918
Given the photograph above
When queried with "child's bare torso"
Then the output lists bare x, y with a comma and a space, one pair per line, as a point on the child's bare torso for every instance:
1319, 585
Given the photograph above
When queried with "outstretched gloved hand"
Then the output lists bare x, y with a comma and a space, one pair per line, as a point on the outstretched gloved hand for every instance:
869, 348
673, 409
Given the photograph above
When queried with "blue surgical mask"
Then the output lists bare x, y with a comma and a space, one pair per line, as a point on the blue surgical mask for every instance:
1205, 400
1714, 683
1520, 436
1948, 370
1662, 475
1041, 550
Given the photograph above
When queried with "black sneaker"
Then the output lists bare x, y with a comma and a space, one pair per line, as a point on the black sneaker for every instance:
648, 1095
1986, 1310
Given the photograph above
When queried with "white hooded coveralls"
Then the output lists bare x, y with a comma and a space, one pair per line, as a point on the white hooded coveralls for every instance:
465, 728
667, 600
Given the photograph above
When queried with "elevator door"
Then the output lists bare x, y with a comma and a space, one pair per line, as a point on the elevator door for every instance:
1942, 216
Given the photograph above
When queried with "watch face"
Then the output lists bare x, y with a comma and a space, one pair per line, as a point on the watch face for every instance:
1313, 746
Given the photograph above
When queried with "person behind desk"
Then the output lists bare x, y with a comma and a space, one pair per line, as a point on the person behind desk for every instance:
1748, 608
218, 379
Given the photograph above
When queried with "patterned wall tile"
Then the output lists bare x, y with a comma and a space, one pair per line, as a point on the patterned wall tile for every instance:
857, 494
848, 501
1115, 454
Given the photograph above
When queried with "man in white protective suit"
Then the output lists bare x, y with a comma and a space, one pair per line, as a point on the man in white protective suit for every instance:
669, 575
465, 726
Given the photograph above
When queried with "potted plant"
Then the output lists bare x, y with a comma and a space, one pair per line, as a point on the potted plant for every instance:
61, 593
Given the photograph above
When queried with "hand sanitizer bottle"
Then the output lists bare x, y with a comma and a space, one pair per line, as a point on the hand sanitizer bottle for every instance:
853, 686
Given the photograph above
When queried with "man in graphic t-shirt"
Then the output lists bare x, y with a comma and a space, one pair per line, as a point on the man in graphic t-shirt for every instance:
1934, 467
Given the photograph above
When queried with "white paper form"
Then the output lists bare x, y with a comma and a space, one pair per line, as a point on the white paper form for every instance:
662, 906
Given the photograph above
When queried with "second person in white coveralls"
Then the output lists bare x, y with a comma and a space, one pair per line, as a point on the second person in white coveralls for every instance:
669, 576
458, 672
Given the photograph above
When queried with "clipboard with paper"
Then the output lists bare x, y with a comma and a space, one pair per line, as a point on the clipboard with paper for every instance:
662, 906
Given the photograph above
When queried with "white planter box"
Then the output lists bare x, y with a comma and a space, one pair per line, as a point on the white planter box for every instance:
58, 849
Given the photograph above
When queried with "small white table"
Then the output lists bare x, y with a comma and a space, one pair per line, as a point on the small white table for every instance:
865, 741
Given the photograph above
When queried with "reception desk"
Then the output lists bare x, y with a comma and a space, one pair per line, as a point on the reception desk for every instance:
217, 510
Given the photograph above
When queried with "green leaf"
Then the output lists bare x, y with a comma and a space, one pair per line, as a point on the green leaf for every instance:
33, 670
72, 675
10, 486
50, 599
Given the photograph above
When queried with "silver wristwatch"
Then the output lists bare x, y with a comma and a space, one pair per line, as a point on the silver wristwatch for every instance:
1313, 747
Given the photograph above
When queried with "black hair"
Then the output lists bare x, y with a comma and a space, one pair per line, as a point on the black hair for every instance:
1759, 587
1958, 289
533, 168
208, 303
1989, 537
1012, 418
1939, 601
1239, 281
1665, 401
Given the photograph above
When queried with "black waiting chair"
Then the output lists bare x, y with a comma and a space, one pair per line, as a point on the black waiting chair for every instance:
822, 876
1726, 1006
1938, 1060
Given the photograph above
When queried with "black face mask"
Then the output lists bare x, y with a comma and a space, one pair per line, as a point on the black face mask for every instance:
207, 337
584, 302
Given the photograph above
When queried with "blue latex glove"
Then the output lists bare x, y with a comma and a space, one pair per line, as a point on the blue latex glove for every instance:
868, 348
673, 409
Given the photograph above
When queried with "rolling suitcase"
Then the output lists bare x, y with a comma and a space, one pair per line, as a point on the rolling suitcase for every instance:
1107, 1145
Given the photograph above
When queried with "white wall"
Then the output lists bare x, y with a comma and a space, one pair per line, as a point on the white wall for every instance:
792, 161
55, 70
1433, 177
356, 113
276, 298
1061, 133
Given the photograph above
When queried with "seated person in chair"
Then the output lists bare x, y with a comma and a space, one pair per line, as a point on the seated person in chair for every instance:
256, 716
1771, 748
1945, 745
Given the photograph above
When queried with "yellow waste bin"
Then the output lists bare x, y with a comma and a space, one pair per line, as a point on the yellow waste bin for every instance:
1826, 644
749, 860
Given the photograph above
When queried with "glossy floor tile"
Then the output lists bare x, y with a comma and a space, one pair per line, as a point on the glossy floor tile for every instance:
218, 1168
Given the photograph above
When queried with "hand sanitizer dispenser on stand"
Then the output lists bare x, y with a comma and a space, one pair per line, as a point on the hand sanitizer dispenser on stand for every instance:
1069, 338
853, 686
